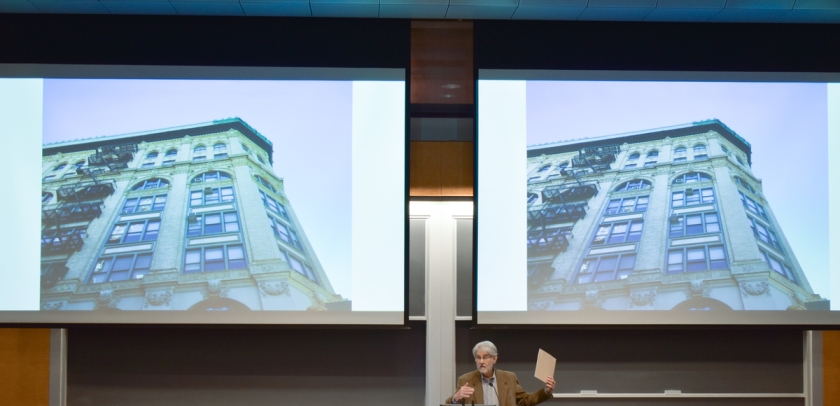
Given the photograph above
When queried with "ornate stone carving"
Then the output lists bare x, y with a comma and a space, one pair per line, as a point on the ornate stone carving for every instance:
274, 289
699, 288
106, 300
154, 299
592, 300
755, 289
642, 299
52, 305
216, 288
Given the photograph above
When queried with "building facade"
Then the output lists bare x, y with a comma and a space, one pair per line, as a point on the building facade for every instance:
188, 218
664, 219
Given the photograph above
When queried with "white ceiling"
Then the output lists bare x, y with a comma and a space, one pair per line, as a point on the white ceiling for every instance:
779, 11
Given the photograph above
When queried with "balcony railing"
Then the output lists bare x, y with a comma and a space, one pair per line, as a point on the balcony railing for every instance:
553, 213
570, 192
117, 156
52, 273
62, 241
547, 241
64, 213
90, 190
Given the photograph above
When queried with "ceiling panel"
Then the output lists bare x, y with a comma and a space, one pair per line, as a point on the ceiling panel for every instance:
615, 13
344, 10
17, 6
412, 11
138, 7
526, 12
210, 8
70, 6
682, 14
277, 9
480, 12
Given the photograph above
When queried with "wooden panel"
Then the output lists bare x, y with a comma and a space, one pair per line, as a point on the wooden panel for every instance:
424, 168
24, 366
831, 367
441, 62
457, 168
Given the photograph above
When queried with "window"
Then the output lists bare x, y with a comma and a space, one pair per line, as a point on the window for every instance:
212, 223
62, 239
681, 159
259, 158
299, 266
533, 179
614, 233
218, 258
153, 183
79, 165
740, 161
532, 197
265, 183
49, 178
629, 166
765, 234
46, 197
778, 265
143, 204
649, 164
635, 184
544, 168
690, 197
211, 196
68, 175
606, 268
286, 234
121, 268
744, 184
219, 148
691, 224
752, 206
274, 205
171, 153
211, 176
724, 149
627, 205
199, 158
692, 177
679, 152
168, 162
633, 157
152, 155
148, 165
695, 259
201, 149
128, 232
245, 148
60, 167
699, 149
653, 154
701, 157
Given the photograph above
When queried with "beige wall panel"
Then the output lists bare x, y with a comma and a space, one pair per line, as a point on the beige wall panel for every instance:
24, 366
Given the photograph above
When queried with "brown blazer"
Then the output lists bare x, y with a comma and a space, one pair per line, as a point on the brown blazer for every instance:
510, 392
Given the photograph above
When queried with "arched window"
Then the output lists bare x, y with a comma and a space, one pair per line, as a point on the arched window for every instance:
544, 168
171, 153
725, 151
246, 149
152, 183
60, 166
200, 149
740, 161
264, 183
634, 156
219, 147
744, 184
46, 197
211, 176
633, 185
692, 177
79, 164
152, 155
699, 149
259, 158
679, 151
653, 154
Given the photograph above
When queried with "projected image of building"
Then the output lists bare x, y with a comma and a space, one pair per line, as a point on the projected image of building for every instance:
175, 219
671, 218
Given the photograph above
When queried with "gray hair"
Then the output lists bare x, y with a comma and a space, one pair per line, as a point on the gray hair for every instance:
487, 346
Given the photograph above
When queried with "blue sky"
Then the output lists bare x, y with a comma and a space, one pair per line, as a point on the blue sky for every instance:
786, 124
309, 123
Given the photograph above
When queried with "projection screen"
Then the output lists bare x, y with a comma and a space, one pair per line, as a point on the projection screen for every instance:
657, 198
203, 195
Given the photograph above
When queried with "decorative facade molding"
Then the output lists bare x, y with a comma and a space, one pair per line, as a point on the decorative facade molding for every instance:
275, 289
755, 289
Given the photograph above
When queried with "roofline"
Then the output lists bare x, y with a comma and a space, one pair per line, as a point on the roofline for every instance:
642, 136
215, 126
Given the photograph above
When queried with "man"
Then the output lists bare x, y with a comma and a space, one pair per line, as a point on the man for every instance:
488, 385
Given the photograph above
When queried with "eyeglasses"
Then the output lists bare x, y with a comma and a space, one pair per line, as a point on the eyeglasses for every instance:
484, 358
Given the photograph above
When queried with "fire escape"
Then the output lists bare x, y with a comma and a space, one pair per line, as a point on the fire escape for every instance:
550, 223
77, 203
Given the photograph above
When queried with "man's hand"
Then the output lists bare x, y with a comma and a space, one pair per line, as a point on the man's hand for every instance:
463, 393
549, 385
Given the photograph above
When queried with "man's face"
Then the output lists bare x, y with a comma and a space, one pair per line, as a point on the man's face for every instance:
484, 362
